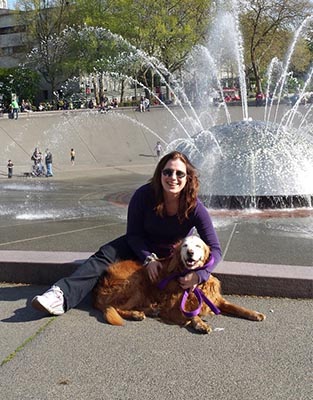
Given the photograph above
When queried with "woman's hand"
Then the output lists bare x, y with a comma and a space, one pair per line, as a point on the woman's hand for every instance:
188, 281
153, 269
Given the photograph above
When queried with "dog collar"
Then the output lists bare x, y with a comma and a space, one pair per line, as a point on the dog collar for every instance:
162, 284
198, 292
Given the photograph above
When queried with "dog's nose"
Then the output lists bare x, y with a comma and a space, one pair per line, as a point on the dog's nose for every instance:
190, 252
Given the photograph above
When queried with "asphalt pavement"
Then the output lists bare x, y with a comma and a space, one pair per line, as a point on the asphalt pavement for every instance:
77, 356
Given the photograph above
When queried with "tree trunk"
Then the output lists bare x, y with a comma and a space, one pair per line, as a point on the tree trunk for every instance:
122, 90
101, 87
167, 96
258, 82
135, 88
53, 89
152, 81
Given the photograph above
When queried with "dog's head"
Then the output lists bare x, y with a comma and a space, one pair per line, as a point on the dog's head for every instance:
191, 253
194, 252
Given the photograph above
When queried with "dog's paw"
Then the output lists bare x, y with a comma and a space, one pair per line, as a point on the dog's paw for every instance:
138, 315
200, 326
260, 316
154, 312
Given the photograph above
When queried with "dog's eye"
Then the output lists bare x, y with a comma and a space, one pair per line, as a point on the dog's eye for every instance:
184, 245
199, 246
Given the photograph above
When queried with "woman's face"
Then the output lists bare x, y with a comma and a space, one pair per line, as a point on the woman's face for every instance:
174, 177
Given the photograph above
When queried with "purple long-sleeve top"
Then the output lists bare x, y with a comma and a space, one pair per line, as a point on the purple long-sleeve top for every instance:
149, 233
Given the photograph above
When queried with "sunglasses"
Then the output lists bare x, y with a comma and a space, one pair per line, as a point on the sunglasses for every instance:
170, 172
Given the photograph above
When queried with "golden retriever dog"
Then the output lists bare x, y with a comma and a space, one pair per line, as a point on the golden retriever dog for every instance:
126, 292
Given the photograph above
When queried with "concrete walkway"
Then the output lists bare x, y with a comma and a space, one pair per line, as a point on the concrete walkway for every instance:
77, 356
47, 226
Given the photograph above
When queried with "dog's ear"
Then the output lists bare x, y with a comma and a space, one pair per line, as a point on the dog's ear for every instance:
207, 251
175, 263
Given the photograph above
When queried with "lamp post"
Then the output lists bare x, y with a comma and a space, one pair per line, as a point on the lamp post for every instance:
1, 100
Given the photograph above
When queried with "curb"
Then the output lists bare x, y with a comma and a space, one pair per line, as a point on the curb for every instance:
45, 268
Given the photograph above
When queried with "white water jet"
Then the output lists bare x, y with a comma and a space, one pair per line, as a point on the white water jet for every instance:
243, 163
247, 160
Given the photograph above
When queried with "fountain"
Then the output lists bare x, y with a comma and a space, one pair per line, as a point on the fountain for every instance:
260, 167
252, 163
249, 163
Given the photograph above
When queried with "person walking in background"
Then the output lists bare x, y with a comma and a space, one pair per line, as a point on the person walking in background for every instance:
10, 168
72, 153
48, 161
158, 149
14, 108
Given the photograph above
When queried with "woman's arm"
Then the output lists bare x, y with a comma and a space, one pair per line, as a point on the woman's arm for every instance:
206, 231
135, 233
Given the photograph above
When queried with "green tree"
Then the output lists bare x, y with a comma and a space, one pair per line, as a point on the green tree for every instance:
97, 52
45, 22
22, 81
166, 29
266, 26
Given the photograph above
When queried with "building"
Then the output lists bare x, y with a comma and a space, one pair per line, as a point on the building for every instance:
13, 51
12, 32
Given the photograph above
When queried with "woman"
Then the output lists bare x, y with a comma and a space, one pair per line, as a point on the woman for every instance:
160, 213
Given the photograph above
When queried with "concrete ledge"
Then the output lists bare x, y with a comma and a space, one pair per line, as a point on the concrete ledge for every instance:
45, 268
273, 280
38, 267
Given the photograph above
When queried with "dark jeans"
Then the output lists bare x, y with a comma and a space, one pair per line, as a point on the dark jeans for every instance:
82, 281
15, 113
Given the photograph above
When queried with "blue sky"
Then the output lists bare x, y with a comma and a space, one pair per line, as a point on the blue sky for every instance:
11, 3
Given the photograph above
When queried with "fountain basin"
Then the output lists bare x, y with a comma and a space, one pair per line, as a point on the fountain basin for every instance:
253, 164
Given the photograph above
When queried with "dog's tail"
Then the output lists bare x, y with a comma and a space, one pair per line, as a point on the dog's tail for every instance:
112, 316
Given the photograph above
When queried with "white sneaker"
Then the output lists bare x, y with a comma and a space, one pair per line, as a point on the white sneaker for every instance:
52, 301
